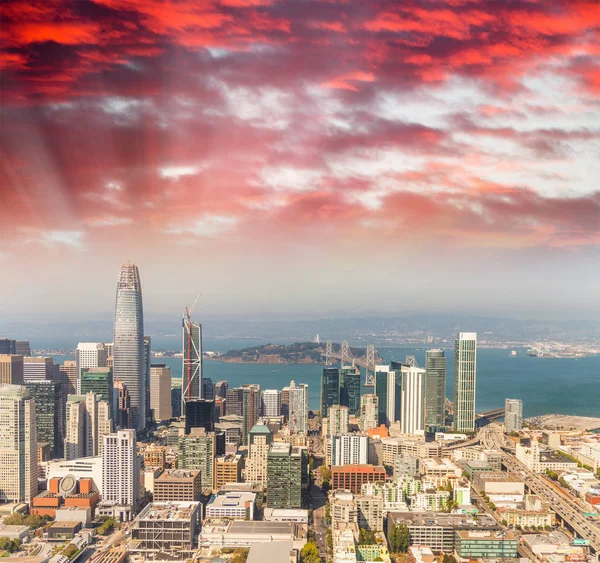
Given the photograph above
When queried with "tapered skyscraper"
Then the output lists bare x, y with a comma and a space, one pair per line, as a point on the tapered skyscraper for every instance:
465, 372
191, 382
129, 362
435, 388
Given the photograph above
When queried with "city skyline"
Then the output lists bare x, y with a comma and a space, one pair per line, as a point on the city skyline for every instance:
302, 145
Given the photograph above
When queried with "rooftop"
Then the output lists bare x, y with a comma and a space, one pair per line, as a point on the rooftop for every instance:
486, 535
168, 511
178, 475
231, 500
275, 552
437, 519
497, 476
364, 468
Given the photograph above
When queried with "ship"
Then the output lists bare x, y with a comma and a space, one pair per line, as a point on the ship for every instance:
513, 353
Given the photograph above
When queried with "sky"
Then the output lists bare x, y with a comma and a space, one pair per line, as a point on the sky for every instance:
301, 158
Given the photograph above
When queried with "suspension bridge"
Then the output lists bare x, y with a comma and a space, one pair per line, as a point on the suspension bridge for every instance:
344, 356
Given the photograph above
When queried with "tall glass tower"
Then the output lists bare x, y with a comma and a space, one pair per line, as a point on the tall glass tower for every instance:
435, 388
465, 372
128, 353
191, 382
330, 389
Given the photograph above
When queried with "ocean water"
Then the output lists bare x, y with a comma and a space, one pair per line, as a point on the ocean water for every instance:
546, 385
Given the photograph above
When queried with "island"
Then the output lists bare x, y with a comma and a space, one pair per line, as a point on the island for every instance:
297, 353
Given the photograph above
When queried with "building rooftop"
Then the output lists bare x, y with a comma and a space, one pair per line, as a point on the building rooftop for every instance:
280, 448
487, 535
260, 429
437, 519
178, 475
358, 468
168, 511
261, 527
273, 552
498, 476
231, 500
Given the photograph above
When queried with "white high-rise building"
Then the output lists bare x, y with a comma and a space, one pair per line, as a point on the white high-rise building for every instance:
18, 445
160, 392
465, 375
271, 402
121, 473
369, 412
128, 353
37, 368
89, 355
298, 406
513, 415
337, 420
412, 401
349, 449
259, 443
88, 421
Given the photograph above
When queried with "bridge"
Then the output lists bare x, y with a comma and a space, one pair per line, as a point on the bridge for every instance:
347, 360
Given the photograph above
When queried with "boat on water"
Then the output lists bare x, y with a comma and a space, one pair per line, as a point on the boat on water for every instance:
513, 353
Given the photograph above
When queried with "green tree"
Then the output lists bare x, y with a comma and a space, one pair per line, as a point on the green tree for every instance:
329, 536
366, 537
240, 555
399, 538
310, 553
325, 476
327, 512
9, 546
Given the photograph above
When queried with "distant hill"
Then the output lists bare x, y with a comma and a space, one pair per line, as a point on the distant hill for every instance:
297, 353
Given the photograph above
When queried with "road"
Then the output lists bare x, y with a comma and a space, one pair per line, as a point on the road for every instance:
319, 525
493, 437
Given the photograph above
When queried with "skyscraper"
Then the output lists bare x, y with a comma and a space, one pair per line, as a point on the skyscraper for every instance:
147, 365
369, 412
330, 389
259, 442
121, 473
68, 378
286, 466
412, 401
208, 389
197, 450
435, 388
350, 390
22, 348
100, 381
11, 369
513, 415
49, 413
18, 445
89, 355
8, 346
88, 421
191, 382
160, 392
298, 408
122, 405
465, 373
381, 386
337, 420
37, 368
221, 388
271, 402
238, 403
254, 402
128, 350
200, 414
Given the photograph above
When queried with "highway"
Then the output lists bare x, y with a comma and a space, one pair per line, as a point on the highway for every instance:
493, 437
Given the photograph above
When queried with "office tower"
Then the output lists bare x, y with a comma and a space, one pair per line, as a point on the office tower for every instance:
298, 408
197, 450
412, 401
23, 348
435, 388
11, 369
382, 379
7, 346
37, 368
89, 355
147, 365
238, 403
220, 407
199, 414
369, 412
68, 378
49, 413
337, 420
221, 389
286, 466
513, 415
208, 389
75, 433
109, 347
284, 409
349, 449
128, 339
160, 392
191, 381
254, 403
88, 421
350, 390
465, 373
121, 472
271, 402
175, 399
122, 407
259, 443
228, 469
330, 389
100, 381
18, 445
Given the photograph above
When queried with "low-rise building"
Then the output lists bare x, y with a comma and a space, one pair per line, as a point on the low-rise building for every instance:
540, 459
471, 544
233, 506
275, 552
15, 532
434, 501
528, 518
439, 467
166, 531
352, 477
299, 515
492, 483
228, 469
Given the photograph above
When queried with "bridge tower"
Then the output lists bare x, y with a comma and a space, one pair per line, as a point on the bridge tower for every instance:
370, 366
411, 361
345, 356
328, 352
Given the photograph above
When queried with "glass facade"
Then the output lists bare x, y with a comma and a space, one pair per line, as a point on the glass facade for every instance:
330, 389
435, 388
49, 413
191, 382
129, 359
465, 371
350, 390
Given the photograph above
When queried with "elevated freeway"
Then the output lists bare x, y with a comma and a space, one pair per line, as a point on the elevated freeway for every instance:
493, 437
